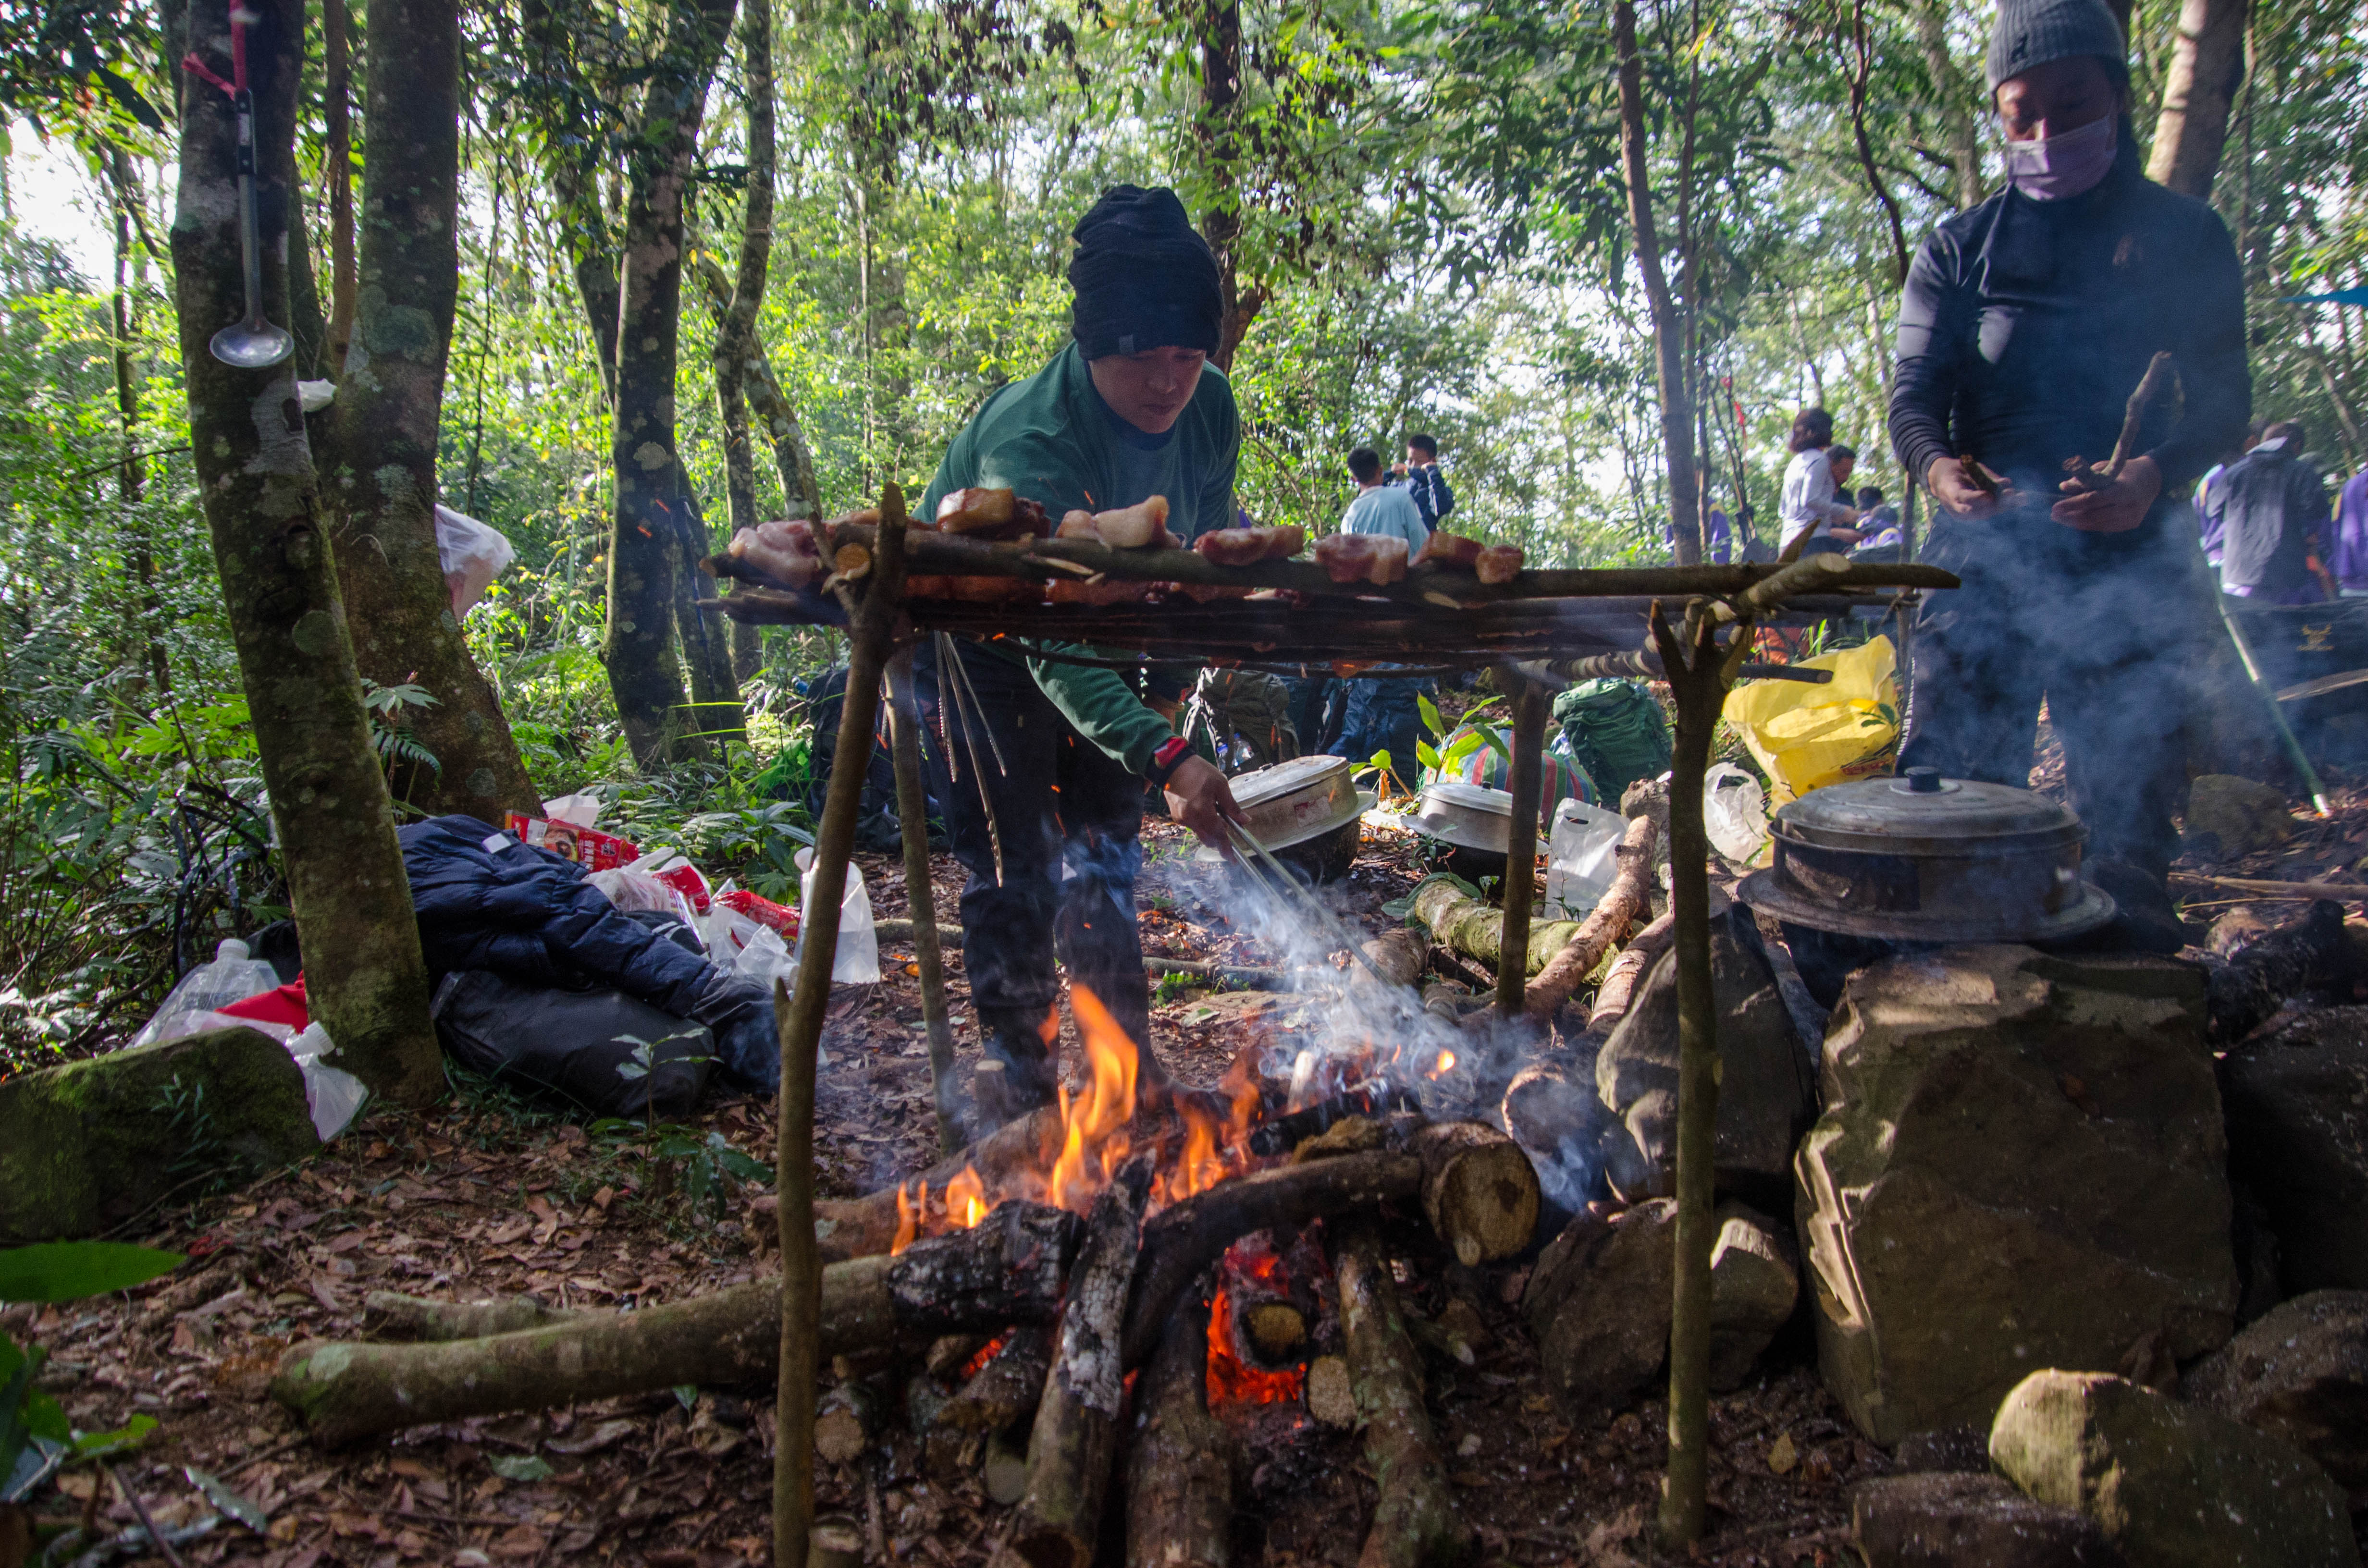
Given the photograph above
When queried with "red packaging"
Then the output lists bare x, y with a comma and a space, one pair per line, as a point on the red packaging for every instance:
593, 851
685, 880
287, 1006
779, 917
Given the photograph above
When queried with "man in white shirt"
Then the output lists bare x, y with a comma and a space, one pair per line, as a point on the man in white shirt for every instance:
1383, 715
1809, 504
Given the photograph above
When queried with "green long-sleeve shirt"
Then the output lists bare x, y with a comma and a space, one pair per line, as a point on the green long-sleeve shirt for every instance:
1052, 439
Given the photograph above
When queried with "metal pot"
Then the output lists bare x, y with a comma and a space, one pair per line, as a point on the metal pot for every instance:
1924, 858
1293, 801
1466, 816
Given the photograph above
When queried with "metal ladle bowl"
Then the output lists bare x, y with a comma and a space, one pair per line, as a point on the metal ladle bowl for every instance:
253, 344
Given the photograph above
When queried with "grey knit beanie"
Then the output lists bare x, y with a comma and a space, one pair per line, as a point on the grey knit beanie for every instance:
2033, 32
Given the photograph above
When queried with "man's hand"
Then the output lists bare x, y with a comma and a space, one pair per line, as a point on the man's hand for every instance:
1844, 535
1199, 797
1947, 481
2117, 508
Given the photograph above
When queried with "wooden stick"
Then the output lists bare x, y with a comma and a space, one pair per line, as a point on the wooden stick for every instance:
1414, 1520
800, 1014
1179, 1470
1009, 1268
913, 815
1005, 1392
396, 1315
1521, 859
1622, 903
1619, 987
2342, 892
1699, 683
1073, 1443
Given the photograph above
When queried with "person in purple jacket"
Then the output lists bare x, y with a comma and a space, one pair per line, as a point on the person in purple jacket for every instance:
2347, 553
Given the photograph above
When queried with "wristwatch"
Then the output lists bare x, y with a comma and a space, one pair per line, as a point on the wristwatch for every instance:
1167, 760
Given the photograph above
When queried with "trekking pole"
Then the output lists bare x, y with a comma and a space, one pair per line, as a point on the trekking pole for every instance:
2310, 780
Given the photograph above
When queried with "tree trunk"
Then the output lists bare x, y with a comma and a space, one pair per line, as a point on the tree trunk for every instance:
2207, 62
645, 676
1221, 225
280, 586
1179, 1469
717, 714
131, 481
380, 457
1952, 100
336, 109
736, 332
1669, 327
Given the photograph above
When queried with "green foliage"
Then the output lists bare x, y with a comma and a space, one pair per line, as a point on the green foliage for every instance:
704, 1164
67, 1271
29, 1419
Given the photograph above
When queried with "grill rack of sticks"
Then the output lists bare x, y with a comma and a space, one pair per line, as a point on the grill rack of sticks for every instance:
1436, 612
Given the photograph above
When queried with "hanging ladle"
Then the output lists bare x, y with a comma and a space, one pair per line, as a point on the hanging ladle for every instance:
251, 344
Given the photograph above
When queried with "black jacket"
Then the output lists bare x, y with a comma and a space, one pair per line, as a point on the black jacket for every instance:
2267, 504
2025, 325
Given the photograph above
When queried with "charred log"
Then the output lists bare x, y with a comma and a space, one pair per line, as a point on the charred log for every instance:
1011, 1268
2253, 981
1073, 1443
1004, 1393
1180, 1491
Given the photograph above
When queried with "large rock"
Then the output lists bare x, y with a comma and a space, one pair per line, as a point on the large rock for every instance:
1598, 1301
2301, 1375
1962, 1520
2228, 817
1755, 1283
1598, 1304
2173, 1486
87, 1145
2020, 1165
2298, 1142
1766, 1091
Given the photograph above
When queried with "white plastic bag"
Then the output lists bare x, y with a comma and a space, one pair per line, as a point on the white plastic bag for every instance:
629, 889
332, 1093
231, 976
1581, 862
1735, 811
472, 554
580, 810
858, 958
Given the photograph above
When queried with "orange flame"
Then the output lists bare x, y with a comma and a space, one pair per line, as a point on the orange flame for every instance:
1446, 1065
977, 1363
908, 1217
1231, 1381
966, 1202
1092, 1124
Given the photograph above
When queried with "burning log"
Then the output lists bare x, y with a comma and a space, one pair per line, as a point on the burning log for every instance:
1270, 1307
1008, 1269
1371, 1100
1179, 1488
1477, 1189
1621, 906
1018, 1151
1003, 1392
2253, 982
1414, 1520
1074, 1440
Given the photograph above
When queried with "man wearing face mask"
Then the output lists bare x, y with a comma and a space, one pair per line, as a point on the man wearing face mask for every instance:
2023, 327
1046, 814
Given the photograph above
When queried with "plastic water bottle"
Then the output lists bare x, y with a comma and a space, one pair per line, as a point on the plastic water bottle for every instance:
233, 976
1581, 862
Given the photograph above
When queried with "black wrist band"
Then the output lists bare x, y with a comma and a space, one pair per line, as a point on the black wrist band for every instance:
1167, 760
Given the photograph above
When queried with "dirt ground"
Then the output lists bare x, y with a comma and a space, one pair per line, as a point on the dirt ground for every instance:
486, 1196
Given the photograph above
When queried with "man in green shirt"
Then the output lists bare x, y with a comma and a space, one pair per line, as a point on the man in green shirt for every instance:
1049, 833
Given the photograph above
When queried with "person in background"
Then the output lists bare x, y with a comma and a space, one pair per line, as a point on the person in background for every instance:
2347, 555
2025, 322
1048, 813
1718, 538
1420, 477
1383, 715
2270, 513
1810, 506
1878, 524
1874, 511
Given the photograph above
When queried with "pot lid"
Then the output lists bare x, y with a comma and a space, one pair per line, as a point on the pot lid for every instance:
1471, 797
1921, 812
1271, 783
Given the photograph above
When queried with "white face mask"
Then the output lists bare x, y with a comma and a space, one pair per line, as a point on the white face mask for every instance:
2054, 167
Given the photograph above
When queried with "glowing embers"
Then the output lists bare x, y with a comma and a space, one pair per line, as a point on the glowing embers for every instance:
1262, 1321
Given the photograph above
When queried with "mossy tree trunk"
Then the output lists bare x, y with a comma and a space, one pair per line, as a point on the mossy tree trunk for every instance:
736, 333
381, 463
645, 676
278, 577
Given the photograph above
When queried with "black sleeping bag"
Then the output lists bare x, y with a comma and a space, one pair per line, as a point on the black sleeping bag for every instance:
600, 1050
488, 904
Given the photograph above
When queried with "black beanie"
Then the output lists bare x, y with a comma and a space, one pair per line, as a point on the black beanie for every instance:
1144, 277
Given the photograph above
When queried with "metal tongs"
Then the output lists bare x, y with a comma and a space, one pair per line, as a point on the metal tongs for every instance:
1274, 872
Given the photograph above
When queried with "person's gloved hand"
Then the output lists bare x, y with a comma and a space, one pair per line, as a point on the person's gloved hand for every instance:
1199, 797
739, 1012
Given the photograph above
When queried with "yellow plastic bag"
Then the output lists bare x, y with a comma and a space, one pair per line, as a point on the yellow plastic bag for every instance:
1806, 737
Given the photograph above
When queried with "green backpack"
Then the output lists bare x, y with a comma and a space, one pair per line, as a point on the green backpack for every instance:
1615, 731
